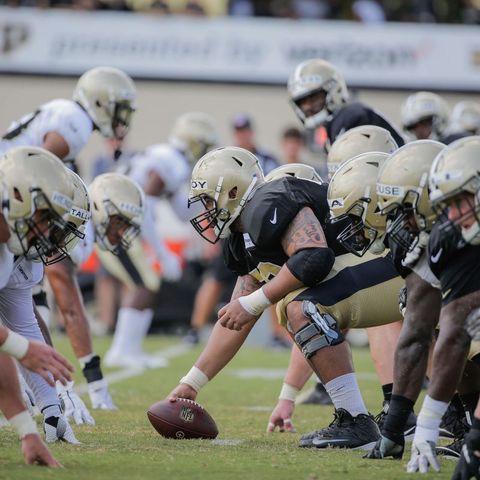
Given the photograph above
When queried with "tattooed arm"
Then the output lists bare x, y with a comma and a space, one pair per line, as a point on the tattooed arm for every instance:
304, 231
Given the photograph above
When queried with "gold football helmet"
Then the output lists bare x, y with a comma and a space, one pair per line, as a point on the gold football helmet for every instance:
117, 211
37, 203
298, 170
351, 195
423, 105
195, 134
222, 180
313, 76
402, 191
454, 172
363, 139
108, 96
466, 116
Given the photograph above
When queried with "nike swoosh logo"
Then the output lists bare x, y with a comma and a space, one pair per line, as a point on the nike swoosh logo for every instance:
332, 441
273, 220
446, 294
435, 258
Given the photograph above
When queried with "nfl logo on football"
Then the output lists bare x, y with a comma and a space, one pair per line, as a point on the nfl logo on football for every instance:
187, 415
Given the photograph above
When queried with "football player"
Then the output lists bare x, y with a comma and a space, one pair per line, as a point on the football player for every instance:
319, 96
162, 171
465, 118
426, 115
103, 100
38, 200
276, 236
453, 258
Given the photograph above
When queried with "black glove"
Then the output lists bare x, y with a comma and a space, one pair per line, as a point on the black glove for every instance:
469, 464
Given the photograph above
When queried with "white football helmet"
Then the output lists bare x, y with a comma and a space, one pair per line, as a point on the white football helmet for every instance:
352, 195
298, 170
37, 203
455, 171
313, 76
421, 106
108, 96
117, 211
222, 180
363, 139
194, 133
466, 117
402, 191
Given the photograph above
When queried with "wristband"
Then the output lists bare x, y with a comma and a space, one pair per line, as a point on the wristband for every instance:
255, 303
195, 378
15, 345
24, 424
288, 392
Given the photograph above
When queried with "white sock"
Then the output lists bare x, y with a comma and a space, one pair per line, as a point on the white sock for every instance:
132, 326
345, 393
428, 420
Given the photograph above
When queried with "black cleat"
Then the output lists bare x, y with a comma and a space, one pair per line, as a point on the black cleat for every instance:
344, 432
409, 427
386, 448
316, 396
192, 337
452, 451
454, 423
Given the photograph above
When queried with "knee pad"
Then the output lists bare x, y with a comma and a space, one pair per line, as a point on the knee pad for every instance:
321, 332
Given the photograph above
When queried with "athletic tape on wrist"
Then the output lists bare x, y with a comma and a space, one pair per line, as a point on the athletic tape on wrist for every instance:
255, 303
288, 392
15, 345
24, 424
195, 378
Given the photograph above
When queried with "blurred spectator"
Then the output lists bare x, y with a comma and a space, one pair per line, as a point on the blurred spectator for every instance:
368, 11
194, 8
293, 145
244, 136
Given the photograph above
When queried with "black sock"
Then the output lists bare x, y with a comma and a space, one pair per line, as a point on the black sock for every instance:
387, 391
92, 371
398, 413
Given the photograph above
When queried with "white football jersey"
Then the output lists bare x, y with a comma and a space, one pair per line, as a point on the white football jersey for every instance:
6, 264
64, 117
84, 247
166, 161
25, 274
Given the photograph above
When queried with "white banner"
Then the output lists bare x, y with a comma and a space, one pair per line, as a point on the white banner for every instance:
445, 57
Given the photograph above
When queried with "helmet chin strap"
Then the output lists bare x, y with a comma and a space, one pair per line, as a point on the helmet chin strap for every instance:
226, 229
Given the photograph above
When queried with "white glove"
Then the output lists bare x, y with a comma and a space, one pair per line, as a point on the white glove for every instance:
171, 267
73, 405
423, 456
412, 257
100, 396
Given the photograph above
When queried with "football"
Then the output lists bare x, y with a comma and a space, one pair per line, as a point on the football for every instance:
182, 419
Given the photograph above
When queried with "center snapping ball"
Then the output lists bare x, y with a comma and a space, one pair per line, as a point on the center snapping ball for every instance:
181, 419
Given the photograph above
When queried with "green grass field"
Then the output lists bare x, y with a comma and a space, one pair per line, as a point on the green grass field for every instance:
123, 445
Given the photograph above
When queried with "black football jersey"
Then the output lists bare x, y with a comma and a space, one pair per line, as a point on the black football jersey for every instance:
264, 220
356, 114
455, 263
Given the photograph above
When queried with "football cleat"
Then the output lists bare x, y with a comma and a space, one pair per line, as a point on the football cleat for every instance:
192, 337
409, 427
452, 451
360, 432
386, 448
58, 429
315, 396
454, 423
138, 360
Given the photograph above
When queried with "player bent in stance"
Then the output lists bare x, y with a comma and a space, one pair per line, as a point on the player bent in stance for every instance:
453, 257
104, 101
38, 201
275, 237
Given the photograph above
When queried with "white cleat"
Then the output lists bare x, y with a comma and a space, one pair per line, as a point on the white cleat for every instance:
57, 429
138, 360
